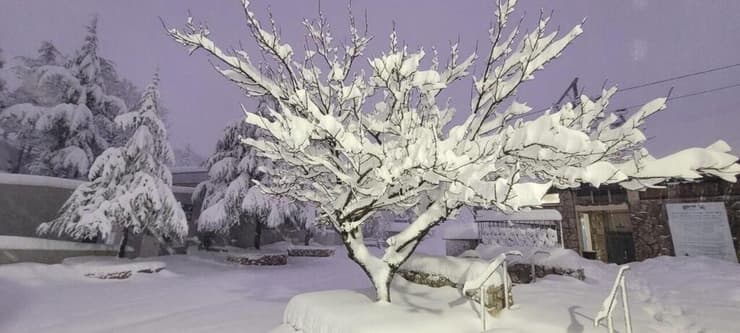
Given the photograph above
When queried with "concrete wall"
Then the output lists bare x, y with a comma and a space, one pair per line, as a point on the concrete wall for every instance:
27, 201
24, 207
46, 256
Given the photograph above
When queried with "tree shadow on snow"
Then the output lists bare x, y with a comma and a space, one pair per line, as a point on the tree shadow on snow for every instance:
404, 293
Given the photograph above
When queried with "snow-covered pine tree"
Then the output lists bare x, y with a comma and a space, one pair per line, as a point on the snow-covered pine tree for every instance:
53, 89
119, 86
87, 67
52, 133
229, 197
357, 144
62, 114
130, 186
187, 157
3, 95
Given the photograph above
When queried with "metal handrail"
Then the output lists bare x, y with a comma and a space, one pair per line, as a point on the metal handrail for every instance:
607, 306
481, 284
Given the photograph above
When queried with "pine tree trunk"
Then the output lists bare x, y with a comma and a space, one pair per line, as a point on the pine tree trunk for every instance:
258, 235
124, 240
19, 162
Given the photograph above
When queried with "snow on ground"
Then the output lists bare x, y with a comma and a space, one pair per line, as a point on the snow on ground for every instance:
202, 293
196, 293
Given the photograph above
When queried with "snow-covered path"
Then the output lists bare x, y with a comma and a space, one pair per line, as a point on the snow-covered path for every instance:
198, 294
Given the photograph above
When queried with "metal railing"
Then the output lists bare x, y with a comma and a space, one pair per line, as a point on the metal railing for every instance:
610, 301
481, 283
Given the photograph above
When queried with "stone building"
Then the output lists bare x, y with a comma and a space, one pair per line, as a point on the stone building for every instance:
616, 225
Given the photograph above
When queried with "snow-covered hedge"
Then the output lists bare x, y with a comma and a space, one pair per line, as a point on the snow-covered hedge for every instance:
518, 236
457, 270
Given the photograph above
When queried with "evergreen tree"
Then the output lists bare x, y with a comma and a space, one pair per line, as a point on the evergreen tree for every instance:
88, 67
62, 114
54, 134
229, 197
2, 82
188, 157
121, 87
130, 187
48, 64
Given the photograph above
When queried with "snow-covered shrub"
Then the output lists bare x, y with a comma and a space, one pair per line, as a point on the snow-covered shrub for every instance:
518, 236
355, 143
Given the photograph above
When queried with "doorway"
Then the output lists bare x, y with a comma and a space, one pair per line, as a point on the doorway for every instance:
607, 236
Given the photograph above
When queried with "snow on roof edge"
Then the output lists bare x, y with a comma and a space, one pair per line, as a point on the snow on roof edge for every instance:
188, 169
35, 243
522, 215
461, 231
33, 180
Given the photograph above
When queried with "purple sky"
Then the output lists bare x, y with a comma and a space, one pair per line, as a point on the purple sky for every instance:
626, 42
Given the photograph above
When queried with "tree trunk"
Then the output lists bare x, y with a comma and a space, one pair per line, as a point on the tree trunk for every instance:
382, 270
377, 270
307, 237
19, 161
258, 235
122, 247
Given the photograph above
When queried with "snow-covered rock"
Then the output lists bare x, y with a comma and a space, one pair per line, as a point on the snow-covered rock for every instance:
112, 268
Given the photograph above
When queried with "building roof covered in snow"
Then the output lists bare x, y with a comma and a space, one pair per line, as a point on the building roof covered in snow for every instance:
188, 176
461, 231
488, 215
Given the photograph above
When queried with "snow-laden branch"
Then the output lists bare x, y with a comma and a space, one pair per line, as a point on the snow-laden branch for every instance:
356, 143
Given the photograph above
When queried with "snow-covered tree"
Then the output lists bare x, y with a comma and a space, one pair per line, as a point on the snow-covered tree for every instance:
356, 143
61, 115
118, 86
130, 187
186, 156
3, 95
229, 197
88, 67
53, 89
60, 140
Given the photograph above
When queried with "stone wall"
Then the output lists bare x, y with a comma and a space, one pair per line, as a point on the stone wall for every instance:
652, 233
567, 209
